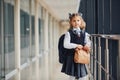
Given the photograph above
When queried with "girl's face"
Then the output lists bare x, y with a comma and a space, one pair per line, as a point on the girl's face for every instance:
75, 22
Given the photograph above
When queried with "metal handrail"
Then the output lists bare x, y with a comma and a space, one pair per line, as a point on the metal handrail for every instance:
107, 36
106, 69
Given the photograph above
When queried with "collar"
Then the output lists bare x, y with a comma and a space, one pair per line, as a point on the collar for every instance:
78, 29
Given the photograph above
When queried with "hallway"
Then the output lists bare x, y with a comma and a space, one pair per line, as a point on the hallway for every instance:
30, 29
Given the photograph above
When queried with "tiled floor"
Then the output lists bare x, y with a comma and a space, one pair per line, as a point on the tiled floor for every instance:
59, 75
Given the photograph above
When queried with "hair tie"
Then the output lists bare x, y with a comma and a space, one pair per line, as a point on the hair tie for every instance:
70, 15
80, 14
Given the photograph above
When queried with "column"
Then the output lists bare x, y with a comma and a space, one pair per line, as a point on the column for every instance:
51, 51
46, 66
17, 37
36, 41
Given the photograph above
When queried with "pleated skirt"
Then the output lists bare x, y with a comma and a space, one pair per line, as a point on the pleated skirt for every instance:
71, 68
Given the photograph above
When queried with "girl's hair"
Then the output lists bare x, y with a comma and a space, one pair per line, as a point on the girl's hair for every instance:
83, 24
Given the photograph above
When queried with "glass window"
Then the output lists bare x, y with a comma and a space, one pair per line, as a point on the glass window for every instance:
0, 44
40, 35
2, 54
49, 36
9, 37
40, 30
32, 36
32, 28
0, 25
24, 30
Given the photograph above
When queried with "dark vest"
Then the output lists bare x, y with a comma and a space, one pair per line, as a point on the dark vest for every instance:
75, 39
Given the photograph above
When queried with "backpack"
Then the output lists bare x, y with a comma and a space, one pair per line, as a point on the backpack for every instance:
61, 49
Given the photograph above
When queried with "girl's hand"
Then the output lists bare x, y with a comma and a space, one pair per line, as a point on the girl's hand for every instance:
86, 48
79, 47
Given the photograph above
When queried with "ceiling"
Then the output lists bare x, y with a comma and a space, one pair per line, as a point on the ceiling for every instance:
62, 8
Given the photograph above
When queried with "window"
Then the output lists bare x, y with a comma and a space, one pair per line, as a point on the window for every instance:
9, 37
0, 43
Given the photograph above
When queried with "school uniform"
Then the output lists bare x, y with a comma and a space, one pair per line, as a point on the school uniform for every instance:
71, 40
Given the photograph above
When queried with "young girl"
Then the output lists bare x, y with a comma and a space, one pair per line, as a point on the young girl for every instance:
73, 40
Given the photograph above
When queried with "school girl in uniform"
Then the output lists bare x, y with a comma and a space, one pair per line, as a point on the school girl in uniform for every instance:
73, 39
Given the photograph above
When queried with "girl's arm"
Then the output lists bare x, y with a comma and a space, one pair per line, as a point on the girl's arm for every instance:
87, 45
87, 39
68, 44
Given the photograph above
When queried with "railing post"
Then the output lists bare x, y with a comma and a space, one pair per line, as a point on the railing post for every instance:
95, 58
106, 59
91, 59
118, 62
99, 58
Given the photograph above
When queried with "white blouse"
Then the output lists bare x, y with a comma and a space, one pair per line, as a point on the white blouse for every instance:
69, 45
